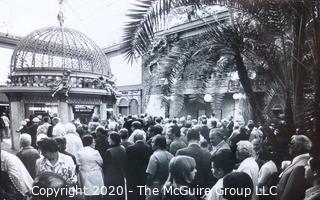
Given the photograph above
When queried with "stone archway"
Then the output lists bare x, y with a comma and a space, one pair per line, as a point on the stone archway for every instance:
123, 106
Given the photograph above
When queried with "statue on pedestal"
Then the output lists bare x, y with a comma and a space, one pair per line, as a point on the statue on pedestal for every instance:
63, 84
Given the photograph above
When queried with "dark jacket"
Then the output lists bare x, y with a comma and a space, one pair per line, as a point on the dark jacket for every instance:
176, 145
125, 144
138, 156
240, 137
102, 144
203, 176
2, 125
127, 125
205, 132
29, 156
113, 166
24, 129
32, 130
49, 132
292, 183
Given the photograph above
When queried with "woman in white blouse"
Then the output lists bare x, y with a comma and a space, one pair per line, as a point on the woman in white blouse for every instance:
90, 163
268, 173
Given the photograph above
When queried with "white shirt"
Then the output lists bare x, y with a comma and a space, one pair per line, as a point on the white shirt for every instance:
65, 167
215, 193
17, 172
90, 163
44, 126
5, 120
74, 143
268, 169
250, 166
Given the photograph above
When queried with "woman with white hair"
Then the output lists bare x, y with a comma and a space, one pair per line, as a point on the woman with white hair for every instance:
58, 128
41, 133
299, 148
28, 155
245, 154
74, 143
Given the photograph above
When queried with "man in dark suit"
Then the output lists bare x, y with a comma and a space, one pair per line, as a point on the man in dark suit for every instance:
113, 165
32, 131
127, 124
292, 184
138, 156
203, 177
205, 129
124, 135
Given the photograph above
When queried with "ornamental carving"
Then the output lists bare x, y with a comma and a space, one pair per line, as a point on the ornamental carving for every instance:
36, 98
54, 81
85, 100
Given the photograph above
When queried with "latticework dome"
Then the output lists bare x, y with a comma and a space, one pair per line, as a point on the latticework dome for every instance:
59, 48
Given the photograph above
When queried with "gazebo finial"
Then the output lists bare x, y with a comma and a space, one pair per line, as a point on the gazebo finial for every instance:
60, 15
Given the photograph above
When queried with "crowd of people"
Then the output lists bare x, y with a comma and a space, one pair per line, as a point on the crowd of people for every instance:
154, 158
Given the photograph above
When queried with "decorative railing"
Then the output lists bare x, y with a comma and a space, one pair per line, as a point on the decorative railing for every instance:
53, 81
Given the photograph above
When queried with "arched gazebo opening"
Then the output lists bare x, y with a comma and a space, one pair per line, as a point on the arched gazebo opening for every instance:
123, 106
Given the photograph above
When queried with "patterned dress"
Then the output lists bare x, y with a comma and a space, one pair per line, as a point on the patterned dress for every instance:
65, 167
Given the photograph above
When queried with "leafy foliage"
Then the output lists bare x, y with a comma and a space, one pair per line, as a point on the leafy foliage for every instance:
277, 38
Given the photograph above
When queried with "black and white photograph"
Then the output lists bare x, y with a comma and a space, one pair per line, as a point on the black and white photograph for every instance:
160, 99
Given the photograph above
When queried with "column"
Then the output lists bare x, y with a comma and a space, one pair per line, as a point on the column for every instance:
96, 111
17, 113
71, 114
103, 111
63, 111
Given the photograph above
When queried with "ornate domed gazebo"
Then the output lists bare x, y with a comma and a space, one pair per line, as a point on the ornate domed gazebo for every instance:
59, 70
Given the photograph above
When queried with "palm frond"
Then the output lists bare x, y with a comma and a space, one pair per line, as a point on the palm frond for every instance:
146, 19
137, 35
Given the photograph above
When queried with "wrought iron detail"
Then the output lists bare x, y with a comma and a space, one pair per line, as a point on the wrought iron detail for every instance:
59, 48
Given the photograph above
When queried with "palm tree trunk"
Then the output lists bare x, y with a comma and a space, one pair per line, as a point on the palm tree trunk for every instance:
247, 87
289, 114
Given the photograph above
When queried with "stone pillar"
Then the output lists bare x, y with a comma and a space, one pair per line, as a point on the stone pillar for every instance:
103, 111
17, 114
63, 111
154, 106
96, 111
71, 114
116, 109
